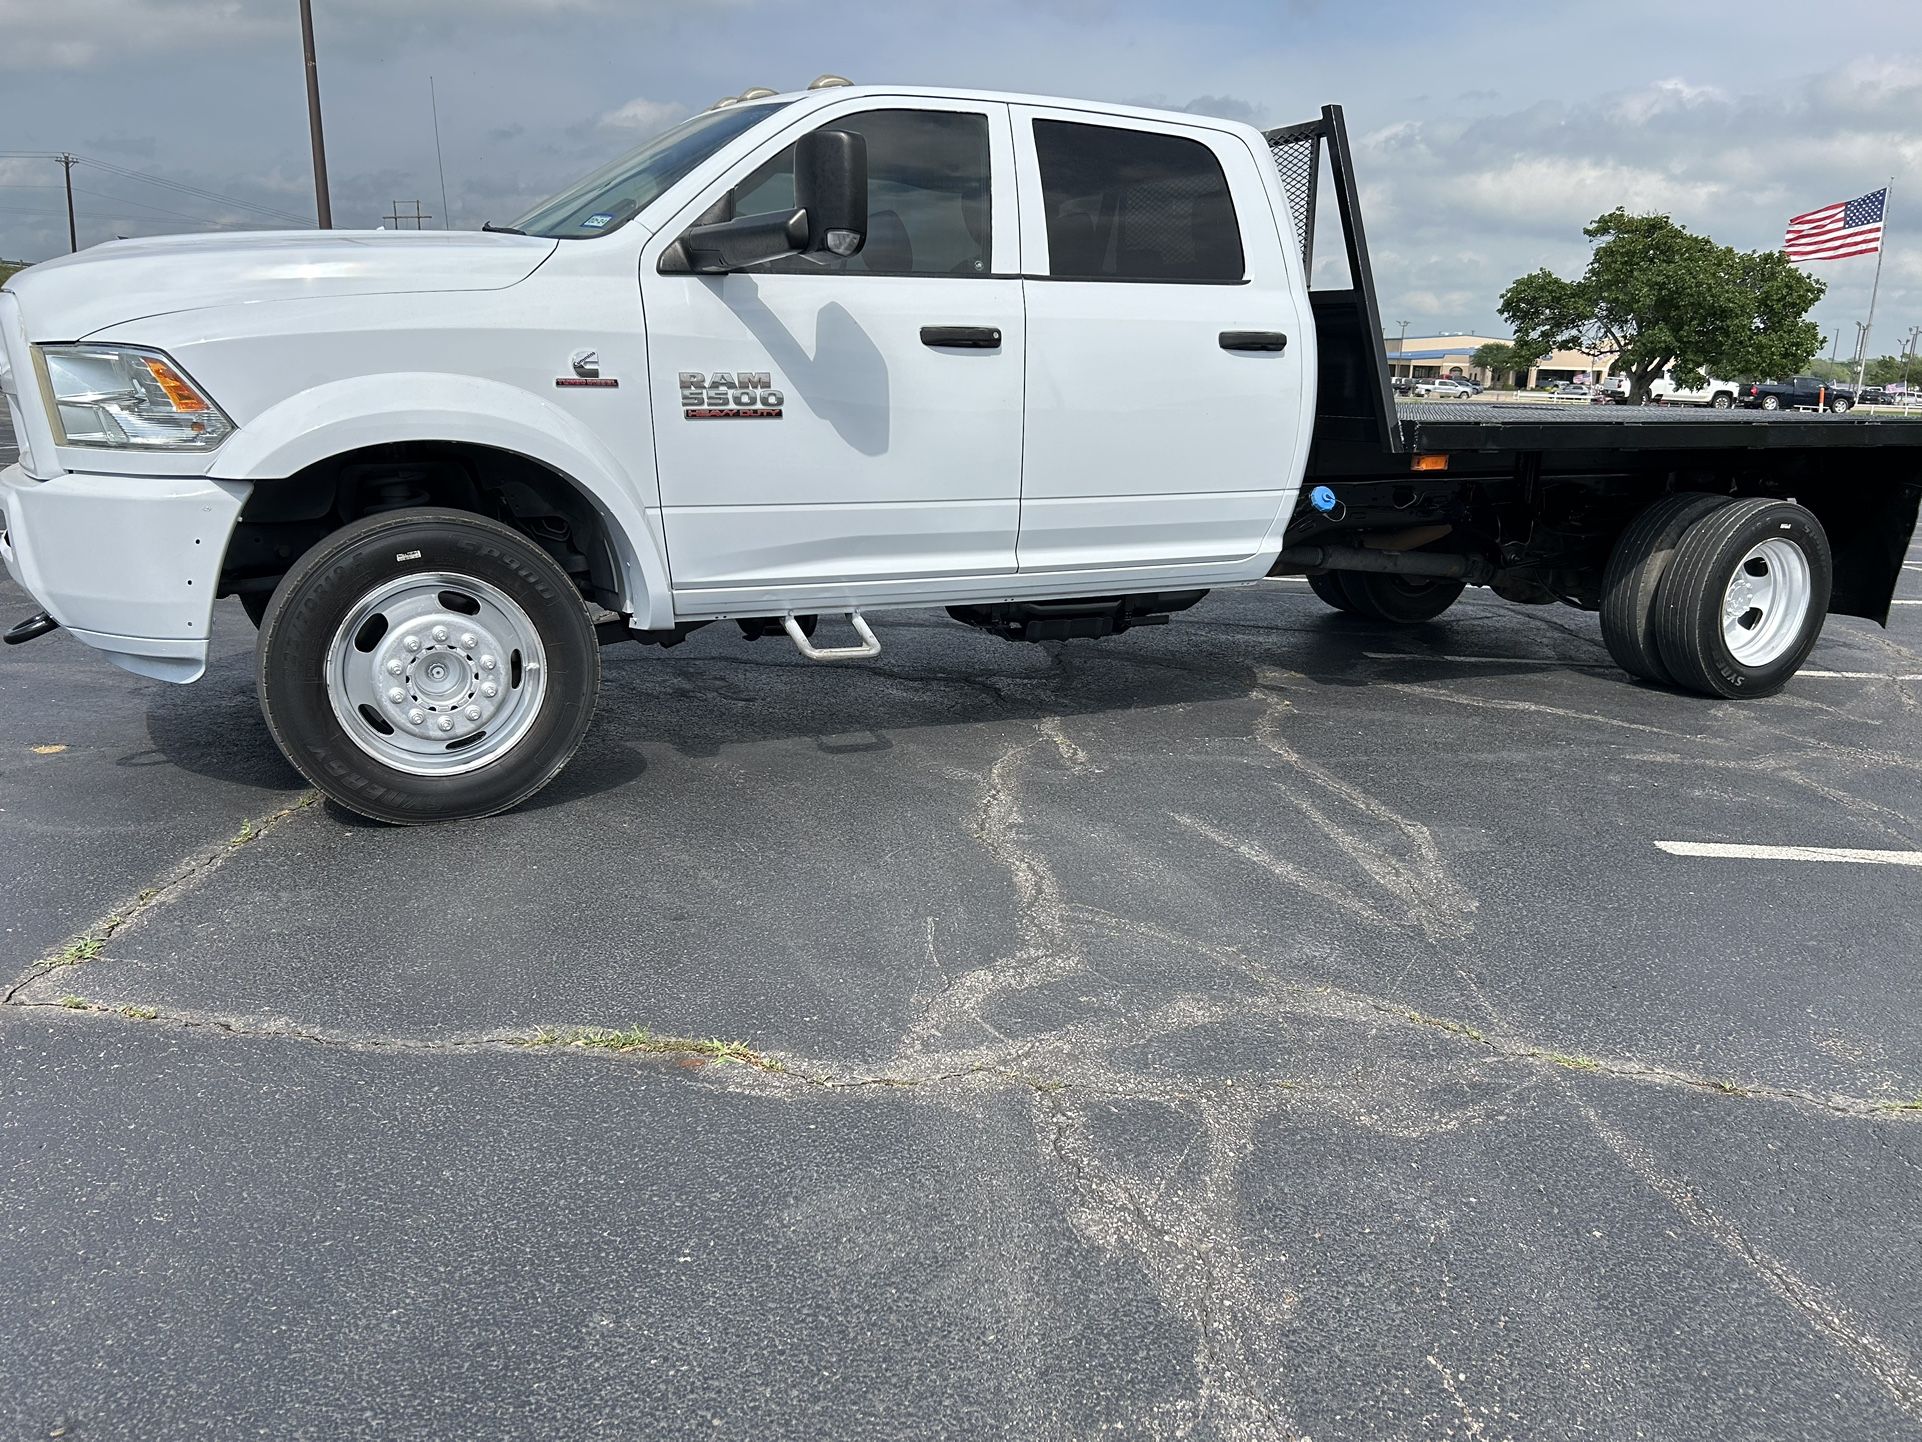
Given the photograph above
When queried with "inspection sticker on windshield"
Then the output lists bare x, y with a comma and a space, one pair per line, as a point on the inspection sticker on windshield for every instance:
595, 222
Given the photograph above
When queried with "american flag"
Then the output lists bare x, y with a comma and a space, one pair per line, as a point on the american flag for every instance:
1848, 227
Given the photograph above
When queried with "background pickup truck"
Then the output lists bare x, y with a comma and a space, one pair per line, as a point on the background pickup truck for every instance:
1058, 367
1800, 393
1717, 394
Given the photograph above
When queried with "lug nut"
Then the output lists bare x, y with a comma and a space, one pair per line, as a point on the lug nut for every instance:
440, 633
468, 640
396, 695
472, 713
487, 663
412, 643
489, 689
446, 723
416, 717
396, 666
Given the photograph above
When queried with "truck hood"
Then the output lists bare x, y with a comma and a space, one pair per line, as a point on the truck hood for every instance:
125, 280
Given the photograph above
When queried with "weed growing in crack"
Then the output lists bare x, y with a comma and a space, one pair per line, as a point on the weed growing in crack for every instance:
640, 1039
1914, 1105
140, 1013
1563, 1059
1442, 1023
75, 1003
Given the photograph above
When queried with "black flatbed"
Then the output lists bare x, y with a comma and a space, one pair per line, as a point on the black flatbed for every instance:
1527, 426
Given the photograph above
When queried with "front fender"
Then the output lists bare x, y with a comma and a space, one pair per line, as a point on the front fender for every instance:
376, 410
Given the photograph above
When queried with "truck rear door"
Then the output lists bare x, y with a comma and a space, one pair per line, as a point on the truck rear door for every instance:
1165, 329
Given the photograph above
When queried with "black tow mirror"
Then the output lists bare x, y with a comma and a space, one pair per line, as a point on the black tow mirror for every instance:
830, 217
831, 189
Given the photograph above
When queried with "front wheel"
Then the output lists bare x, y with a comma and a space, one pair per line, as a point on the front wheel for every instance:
1387, 597
427, 665
1723, 401
1840, 405
1744, 598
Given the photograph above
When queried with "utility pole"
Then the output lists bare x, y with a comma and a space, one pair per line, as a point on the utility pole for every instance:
1908, 357
73, 231
1861, 349
323, 207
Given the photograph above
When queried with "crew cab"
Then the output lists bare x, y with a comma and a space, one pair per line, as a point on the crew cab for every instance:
1054, 366
1797, 393
1716, 394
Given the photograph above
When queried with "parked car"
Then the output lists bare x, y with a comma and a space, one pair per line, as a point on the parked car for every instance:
1805, 392
1717, 394
1443, 389
1876, 396
1403, 385
1572, 391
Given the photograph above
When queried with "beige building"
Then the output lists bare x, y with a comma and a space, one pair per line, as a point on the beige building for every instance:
1426, 357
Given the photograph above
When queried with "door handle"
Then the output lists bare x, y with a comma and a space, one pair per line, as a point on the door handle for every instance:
962, 337
1271, 340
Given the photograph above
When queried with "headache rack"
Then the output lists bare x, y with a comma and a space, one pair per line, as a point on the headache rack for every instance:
1356, 402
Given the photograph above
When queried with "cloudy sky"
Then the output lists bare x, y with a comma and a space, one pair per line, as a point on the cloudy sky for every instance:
1486, 135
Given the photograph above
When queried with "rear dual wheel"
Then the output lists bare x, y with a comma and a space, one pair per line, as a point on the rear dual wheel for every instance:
1384, 597
427, 665
1717, 596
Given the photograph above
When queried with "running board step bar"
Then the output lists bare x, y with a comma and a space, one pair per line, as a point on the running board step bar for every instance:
868, 647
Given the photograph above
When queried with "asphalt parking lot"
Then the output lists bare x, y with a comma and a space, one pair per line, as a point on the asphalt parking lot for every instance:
1269, 1025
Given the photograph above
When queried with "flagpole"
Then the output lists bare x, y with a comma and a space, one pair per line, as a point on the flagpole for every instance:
1862, 360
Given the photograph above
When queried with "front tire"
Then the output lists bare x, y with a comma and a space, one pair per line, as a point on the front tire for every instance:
1841, 405
1404, 599
1723, 401
1744, 599
427, 665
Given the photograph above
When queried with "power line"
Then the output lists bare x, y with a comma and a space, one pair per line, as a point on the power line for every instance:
149, 178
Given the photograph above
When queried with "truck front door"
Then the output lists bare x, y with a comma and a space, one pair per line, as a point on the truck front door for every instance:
838, 430
1166, 345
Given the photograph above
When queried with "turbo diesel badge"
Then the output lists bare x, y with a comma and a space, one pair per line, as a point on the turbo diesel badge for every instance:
730, 396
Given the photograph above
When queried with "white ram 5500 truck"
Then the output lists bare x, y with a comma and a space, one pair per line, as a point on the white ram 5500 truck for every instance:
1052, 365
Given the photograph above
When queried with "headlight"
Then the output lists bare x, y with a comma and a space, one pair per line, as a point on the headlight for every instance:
127, 398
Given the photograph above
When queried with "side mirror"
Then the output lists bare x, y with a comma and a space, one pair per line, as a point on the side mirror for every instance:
831, 189
830, 215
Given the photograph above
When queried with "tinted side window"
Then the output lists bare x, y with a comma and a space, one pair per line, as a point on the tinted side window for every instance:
928, 194
1135, 205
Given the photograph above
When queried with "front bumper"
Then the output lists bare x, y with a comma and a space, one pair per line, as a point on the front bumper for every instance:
128, 564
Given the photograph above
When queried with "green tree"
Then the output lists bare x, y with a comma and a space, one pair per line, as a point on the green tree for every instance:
1495, 357
10, 268
1657, 296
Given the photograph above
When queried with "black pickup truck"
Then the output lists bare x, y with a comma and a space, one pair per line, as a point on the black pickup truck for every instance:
1799, 393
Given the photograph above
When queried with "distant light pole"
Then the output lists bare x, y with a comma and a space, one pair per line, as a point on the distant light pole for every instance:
323, 207
1908, 356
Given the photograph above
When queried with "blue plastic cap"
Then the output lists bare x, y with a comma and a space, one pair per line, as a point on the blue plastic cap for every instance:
1322, 499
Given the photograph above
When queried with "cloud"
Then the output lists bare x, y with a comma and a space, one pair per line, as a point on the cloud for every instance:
643, 116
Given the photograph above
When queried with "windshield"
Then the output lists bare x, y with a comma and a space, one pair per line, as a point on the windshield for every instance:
611, 196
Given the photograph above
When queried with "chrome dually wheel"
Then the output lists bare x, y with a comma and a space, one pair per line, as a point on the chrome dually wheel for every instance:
428, 665
436, 674
1767, 602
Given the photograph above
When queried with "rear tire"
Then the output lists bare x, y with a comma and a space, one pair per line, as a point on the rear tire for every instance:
1771, 403
1744, 599
1327, 585
1630, 583
427, 665
1403, 599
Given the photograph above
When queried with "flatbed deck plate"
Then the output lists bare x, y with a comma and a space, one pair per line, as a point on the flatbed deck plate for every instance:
1522, 426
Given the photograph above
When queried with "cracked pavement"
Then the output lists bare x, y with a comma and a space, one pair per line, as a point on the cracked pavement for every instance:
1259, 1027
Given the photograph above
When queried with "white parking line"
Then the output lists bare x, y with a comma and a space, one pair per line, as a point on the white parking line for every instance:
1862, 675
1563, 662
1736, 851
